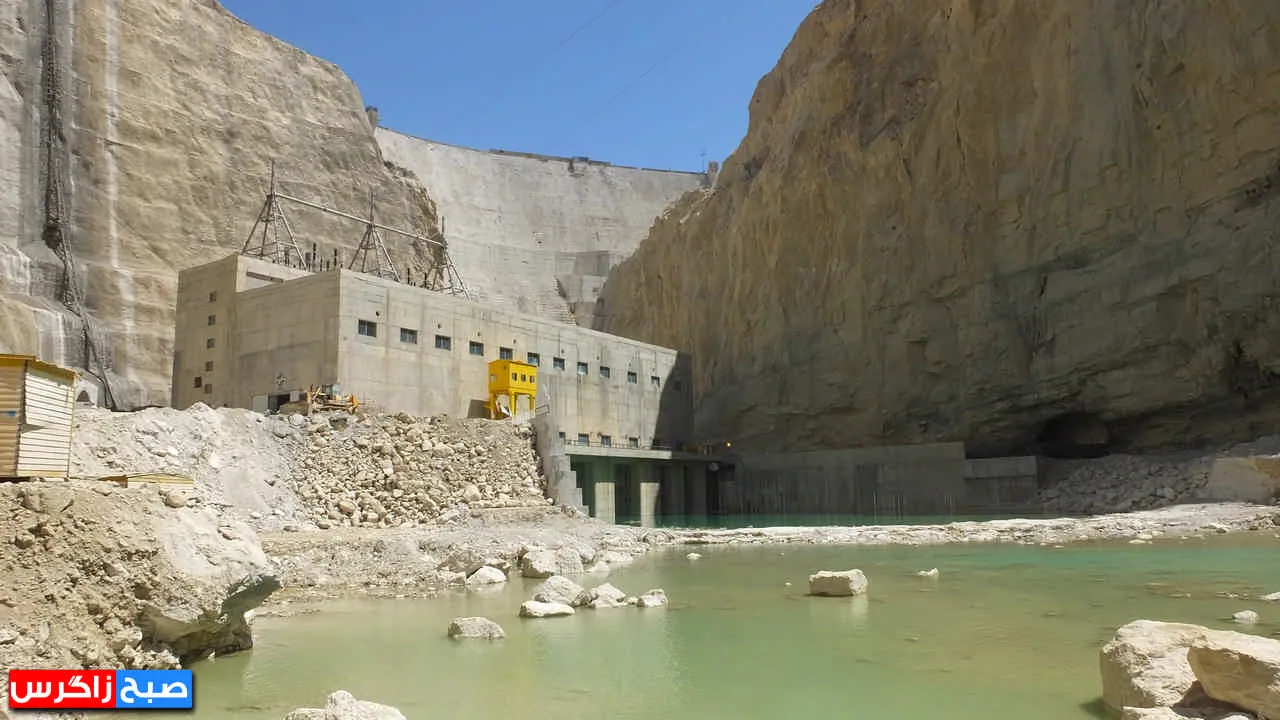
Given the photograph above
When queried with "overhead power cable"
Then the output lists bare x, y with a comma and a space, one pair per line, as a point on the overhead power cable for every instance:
635, 82
531, 68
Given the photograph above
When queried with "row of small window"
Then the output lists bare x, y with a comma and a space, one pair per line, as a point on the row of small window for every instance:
369, 328
605, 440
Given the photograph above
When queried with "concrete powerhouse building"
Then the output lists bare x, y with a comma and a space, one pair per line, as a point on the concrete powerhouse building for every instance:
251, 333
255, 334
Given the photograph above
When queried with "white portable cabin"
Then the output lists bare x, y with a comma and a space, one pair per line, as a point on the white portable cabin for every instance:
37, 408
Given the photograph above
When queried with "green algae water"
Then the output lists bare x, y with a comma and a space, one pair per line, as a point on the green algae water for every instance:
1003, 631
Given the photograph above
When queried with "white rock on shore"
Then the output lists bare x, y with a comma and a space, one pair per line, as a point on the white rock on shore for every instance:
342, 705
831, 583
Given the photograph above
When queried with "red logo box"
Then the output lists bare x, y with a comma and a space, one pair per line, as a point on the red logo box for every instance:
62, 689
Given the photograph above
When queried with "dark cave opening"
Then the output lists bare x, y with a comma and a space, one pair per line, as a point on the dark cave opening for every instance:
1075, 435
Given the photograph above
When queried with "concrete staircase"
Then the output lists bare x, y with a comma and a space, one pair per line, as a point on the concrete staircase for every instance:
562, 481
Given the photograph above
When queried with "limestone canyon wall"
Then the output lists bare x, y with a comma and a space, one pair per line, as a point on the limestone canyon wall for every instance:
961, 219
138, 135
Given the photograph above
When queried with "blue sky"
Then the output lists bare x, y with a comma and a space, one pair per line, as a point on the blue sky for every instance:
653, 83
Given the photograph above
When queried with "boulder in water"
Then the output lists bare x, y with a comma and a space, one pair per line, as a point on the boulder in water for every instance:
831, 583
341, 705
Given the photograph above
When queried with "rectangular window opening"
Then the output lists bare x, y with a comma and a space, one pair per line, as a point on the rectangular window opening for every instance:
444, 342
584, 439
198, 382
557, 363
655, 382
505, 353
606, 441
476, 348
208, 366
533, 358
632, 378
208, 343
582, 368
213, 319
408, 336
213, 296
604, 371
367, 328
633, 442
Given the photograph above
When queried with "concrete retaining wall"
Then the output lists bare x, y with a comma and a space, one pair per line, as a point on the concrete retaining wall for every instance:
889, 481
896, 481
997, 485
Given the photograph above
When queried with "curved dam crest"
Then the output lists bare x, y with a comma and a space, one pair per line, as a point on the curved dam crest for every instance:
537, 233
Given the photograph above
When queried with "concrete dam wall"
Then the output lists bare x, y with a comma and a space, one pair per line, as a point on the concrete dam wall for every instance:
534, 232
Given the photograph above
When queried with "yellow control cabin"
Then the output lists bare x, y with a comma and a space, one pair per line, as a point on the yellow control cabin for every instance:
510, 380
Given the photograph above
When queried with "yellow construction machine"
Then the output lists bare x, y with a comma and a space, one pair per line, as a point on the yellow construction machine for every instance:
322, 398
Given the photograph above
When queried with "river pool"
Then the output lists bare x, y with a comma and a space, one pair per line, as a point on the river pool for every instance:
1003, 631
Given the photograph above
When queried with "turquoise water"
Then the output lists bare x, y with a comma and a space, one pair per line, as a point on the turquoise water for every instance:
1003, 632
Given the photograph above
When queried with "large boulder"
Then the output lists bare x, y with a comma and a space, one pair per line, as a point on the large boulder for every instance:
652, 599
831, 583
221, 573
601, 597
1145, 664
487, 575
543, 563
558, 589
342, 705
1240, 669
478, 628
535, 609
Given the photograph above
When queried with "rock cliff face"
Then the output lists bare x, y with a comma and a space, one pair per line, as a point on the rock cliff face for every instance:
136, 138
964, 219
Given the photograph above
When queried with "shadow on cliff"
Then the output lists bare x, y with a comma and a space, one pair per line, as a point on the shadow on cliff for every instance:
673, 426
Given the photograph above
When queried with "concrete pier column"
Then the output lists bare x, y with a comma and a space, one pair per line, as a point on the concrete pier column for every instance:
648, 479
604, 491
